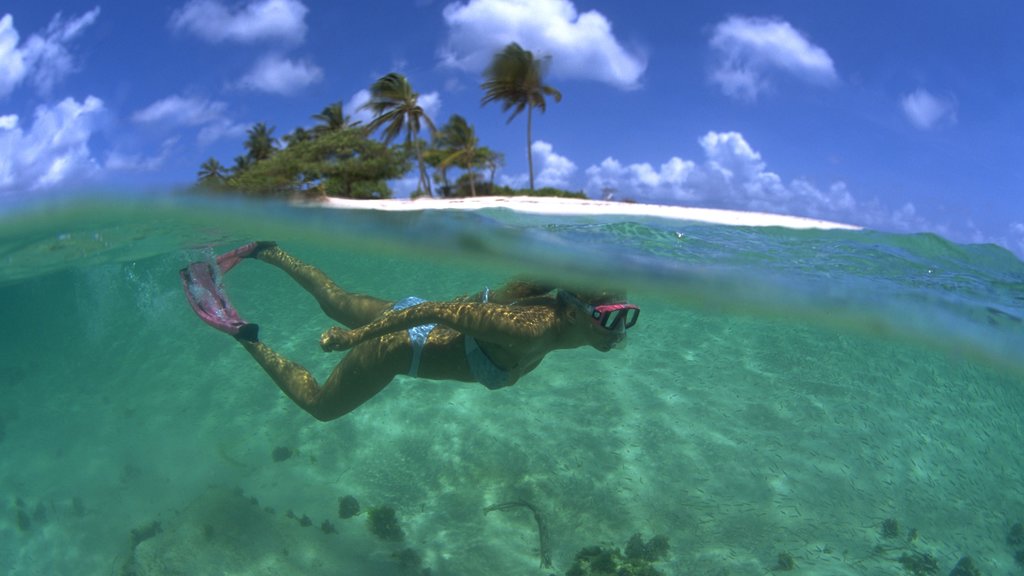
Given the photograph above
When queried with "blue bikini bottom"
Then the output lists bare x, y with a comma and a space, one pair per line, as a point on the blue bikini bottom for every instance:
480, 365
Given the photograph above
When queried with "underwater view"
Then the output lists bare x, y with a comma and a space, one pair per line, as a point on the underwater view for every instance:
800, 401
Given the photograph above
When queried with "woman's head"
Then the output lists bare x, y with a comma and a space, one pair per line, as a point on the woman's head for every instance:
601, 317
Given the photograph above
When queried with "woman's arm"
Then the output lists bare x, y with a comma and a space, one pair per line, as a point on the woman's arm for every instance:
504, 325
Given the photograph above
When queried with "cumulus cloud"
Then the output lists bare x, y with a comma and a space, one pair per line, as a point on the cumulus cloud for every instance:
208, 115
731, 175
138, 163
220, 128
749, 50
431, 104
354, 107
581, 45
53, 150
1017, 238
255, 21
43, 58
667, 182
279, 75
188, 111
550, 169
925, 110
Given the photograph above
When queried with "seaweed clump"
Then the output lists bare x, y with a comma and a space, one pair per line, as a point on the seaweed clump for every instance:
348, 506
784, 562
410, 562
281, 453
1015, 537
636, 561
383, 523
965, 567
890, 528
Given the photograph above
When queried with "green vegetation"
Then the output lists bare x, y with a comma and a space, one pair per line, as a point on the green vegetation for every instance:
339, 158
348, 506
890, 528
637, 561
383, 524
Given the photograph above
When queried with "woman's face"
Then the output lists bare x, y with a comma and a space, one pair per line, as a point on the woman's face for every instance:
595, 335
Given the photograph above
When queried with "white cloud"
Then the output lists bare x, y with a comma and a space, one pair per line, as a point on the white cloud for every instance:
550, 169
256, 21
749, 49
354, 107
581, 45
221, 128
279, 75
731, 175
669, 182
1017, 238
431, 104
43, 58
553, 169
138, 163
188, 111
54, 150
925, 110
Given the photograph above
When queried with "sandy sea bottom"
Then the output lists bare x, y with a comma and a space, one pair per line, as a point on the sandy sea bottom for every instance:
737, 438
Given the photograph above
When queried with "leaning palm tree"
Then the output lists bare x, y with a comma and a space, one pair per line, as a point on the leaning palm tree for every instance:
212, 171
516, 79
261, 143
395, 108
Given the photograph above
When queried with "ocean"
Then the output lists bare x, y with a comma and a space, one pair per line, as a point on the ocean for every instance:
814, 401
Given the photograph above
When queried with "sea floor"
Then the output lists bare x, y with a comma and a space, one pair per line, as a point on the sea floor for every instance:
737, 438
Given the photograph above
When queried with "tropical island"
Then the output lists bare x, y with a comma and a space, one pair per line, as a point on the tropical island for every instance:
339, 158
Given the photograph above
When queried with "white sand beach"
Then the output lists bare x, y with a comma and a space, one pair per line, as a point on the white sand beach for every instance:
572, 206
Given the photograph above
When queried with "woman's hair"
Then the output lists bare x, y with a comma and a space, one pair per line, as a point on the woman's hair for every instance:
598, 297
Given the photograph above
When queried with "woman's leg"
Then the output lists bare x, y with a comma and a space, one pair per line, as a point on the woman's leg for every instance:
352, 310
364, 372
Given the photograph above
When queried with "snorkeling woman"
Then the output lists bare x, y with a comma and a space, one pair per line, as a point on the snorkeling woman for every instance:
494, 337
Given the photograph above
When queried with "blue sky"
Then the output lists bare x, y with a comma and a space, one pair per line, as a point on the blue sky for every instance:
900, 116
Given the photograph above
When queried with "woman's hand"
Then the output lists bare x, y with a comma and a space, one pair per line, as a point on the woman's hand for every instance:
335, 339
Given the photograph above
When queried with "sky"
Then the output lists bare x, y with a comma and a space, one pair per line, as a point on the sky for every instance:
897, 116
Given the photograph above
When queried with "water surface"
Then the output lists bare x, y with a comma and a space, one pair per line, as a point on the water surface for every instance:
785, 392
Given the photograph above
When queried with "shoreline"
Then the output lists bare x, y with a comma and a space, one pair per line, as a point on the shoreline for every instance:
578, 207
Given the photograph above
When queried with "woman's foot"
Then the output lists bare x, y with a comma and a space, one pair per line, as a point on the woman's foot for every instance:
229, 260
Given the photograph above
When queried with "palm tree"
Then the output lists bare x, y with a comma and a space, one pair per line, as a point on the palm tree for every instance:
492, 160
332, 118
261, 143
298, 136
395, 107
212, 171
242, 163
516, 79
458, 139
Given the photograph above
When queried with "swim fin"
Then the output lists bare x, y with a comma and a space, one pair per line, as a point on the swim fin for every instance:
206, 295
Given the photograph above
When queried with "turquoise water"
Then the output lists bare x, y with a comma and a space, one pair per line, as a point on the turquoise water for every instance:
784, 392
